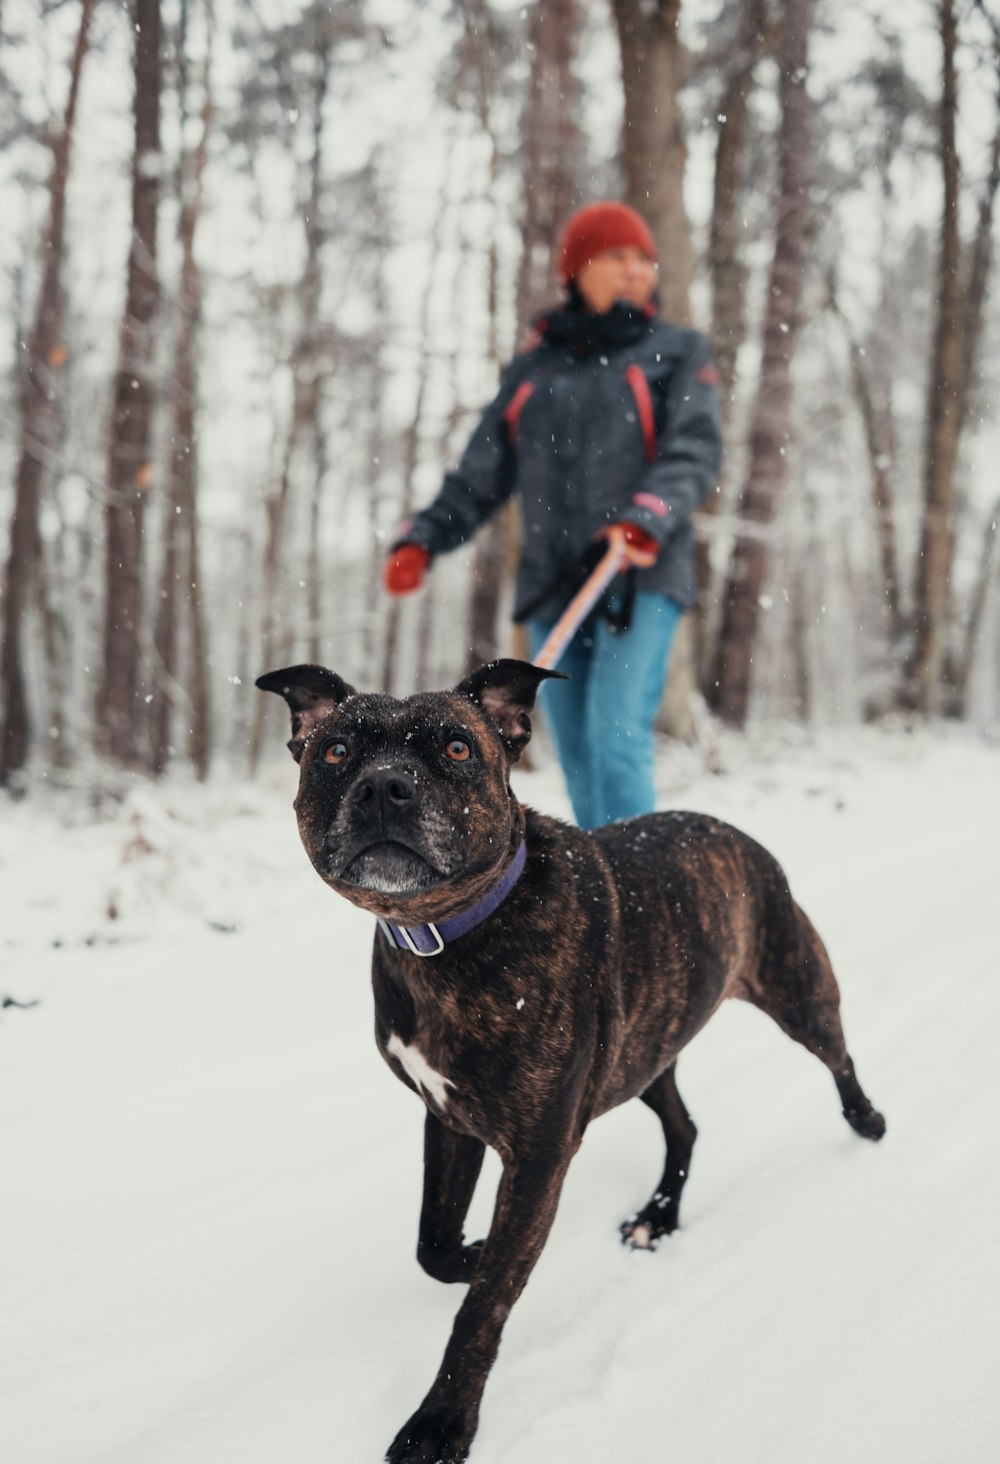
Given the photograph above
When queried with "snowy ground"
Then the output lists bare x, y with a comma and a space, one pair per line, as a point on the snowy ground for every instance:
210, 1181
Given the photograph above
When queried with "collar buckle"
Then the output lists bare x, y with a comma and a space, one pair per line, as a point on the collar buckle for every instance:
447, 930
411, 944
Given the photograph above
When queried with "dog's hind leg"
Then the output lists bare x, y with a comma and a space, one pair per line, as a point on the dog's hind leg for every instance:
799, 991
661, 1215
452, 1162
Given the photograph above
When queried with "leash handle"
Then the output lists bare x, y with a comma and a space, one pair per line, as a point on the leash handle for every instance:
615, 556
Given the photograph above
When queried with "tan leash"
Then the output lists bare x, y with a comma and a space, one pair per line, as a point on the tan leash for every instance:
614, 558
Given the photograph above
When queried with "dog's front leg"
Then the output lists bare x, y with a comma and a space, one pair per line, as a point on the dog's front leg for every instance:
442, 1429
452, 1162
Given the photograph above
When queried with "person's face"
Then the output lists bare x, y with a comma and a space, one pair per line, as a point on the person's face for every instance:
617, 274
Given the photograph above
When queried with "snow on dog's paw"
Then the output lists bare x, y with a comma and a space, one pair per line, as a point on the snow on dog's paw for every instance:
638, 1235
432, 1436
867, 1122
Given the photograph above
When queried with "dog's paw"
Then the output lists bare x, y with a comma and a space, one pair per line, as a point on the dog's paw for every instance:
434, 1435
642, 1231
637, 1235
457, 1264
866, 1121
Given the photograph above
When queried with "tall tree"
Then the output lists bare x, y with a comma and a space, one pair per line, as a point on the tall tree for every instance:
730, 682
961, 671
412, 436
552, 151
119, 719
878, 436
932, 601
653, 144
654, 154
46, 353
727, 266
307, 377
181, 602
288, 95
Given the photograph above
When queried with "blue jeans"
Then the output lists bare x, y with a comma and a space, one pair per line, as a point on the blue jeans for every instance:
602, 720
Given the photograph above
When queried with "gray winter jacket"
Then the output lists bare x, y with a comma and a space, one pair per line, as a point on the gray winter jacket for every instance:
608, 417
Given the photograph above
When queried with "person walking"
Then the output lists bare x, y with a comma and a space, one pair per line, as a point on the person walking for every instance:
609, 415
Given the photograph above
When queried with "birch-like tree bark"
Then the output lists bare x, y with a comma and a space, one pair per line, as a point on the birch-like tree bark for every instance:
46, 354
729, 684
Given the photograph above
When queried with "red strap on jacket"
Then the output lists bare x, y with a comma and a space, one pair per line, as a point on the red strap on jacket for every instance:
514, 408
636, 378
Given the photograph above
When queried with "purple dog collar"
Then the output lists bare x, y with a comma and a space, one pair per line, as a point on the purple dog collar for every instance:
430, 940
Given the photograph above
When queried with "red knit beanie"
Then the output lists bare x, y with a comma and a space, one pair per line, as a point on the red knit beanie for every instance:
596, 228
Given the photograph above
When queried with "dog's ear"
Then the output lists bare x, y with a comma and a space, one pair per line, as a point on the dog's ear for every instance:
506, 691
311, 692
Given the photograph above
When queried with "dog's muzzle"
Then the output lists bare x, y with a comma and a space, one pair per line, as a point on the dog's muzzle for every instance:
386, 867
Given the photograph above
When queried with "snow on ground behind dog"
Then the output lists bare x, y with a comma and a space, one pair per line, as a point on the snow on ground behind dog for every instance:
212, 1182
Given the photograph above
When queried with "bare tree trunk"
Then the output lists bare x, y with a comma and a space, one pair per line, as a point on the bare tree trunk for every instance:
980, 270
375, 434
963, 671
181, 567
655, 154
932, 602
129, 472
199, 731
729, 684
981, 263
46, 354
880, 445
728, 271
653, 143
552, 150
314, 569
414, 431
276, 509
53, 644
449, 444
879, 442
958, 658
306, 394
799, 630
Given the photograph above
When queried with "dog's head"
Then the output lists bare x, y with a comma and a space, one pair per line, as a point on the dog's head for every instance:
405, 806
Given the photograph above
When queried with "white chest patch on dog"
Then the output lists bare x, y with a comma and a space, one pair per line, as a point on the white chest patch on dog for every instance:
419, 1070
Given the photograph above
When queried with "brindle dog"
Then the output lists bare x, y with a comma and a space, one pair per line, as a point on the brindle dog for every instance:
605, 957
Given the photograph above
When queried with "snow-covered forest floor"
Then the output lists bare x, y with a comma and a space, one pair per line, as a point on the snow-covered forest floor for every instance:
211, 1181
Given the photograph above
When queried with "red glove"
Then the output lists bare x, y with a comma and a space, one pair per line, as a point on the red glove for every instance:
405, 568
640, 547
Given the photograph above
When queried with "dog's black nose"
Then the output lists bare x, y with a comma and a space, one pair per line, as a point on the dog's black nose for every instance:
386, 786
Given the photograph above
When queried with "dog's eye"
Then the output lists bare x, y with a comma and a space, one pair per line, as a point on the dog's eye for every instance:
458, 750
335, 752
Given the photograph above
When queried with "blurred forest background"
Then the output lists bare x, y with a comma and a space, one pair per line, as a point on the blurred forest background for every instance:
261, 263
